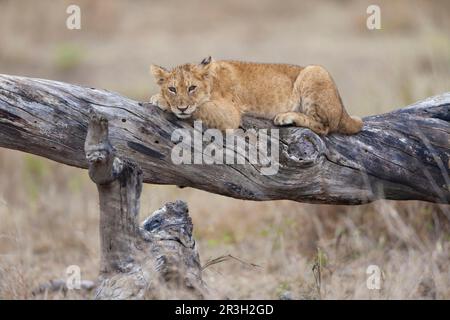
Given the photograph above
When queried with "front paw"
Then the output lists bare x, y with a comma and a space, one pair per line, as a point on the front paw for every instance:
158, 101
284, 119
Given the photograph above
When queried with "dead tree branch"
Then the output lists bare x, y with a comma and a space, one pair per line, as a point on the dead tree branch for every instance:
157, 260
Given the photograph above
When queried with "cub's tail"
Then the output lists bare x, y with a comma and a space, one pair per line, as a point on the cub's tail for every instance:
349, 124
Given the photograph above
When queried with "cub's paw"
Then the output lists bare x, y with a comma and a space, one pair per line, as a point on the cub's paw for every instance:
158, 101
284, 119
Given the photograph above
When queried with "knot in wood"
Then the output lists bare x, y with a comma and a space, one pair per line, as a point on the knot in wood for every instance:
303, 147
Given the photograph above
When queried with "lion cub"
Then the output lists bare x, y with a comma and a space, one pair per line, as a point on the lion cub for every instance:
219, 92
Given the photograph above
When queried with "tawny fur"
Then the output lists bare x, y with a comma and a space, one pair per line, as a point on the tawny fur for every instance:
219, 92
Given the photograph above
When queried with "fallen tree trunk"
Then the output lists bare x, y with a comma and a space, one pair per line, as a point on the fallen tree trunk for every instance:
401, 155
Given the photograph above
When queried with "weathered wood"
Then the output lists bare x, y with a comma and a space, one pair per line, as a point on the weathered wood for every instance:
400, 155
157, 260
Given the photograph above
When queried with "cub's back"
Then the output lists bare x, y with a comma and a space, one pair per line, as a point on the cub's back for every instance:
259, 86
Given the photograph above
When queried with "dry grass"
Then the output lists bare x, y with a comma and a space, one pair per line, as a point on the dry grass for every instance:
48, 211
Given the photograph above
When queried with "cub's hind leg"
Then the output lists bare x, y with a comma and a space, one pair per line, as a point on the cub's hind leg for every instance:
300, 120
312, 93
320, 100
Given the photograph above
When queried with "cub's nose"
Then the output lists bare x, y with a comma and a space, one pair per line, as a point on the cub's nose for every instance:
182, 109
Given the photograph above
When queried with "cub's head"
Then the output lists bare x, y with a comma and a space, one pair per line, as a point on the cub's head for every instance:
185, 87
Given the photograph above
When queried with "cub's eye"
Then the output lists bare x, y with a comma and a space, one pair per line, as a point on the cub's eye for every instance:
192, 88
173, 89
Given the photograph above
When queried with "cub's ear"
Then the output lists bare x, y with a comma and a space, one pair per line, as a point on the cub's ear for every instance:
159, 73
206, 61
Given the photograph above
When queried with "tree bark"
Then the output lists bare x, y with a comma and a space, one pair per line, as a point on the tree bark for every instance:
158, 260
400, 155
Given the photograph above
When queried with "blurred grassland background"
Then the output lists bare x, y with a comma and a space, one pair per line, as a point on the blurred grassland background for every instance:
48, 211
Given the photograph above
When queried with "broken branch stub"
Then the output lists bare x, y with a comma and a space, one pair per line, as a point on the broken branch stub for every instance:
157, 260
400, 155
